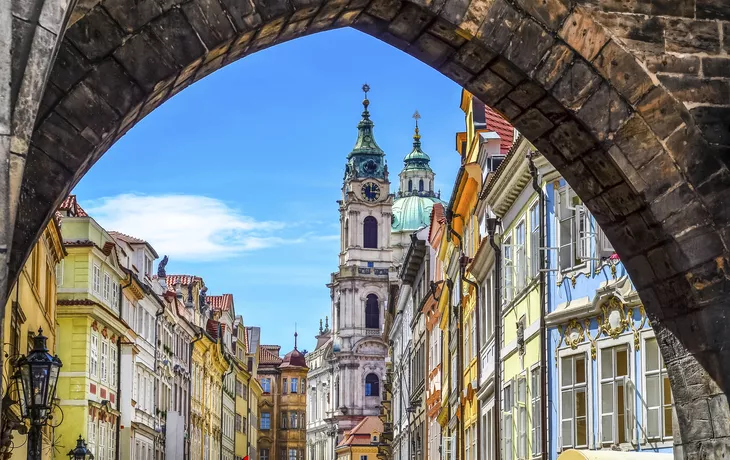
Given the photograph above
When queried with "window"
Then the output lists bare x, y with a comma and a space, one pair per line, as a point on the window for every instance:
575, 230
265, 420
573, 402
534, 240
107, 287
94, 354
372, 312
370, 232
487, 311
508, 268
410, 185
521, 417
467, 444
372, 385
96, 279
266, 385
658, 393
293, 420
363, 457
508, 428
448, 446
520, 262
294, 385
292, 454
91, 436
264, 454
104, 359
616, 397
536, 411
285, 386
420, 185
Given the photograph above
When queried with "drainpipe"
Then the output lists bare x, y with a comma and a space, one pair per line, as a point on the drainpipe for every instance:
492, 223
119, 365
459, 331
543, 312
465, 261
159, 313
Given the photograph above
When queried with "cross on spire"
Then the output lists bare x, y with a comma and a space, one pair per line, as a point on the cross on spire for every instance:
417, 135
295, 336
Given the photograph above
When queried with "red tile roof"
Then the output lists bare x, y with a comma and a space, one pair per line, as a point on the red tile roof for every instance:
212, 328
269, 354
221, 302
72, 207
500, 126
184, 280
126, 238
360, 434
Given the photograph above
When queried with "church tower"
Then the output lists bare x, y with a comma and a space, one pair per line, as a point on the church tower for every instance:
359, 289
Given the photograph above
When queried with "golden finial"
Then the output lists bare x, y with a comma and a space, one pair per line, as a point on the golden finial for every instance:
417, 116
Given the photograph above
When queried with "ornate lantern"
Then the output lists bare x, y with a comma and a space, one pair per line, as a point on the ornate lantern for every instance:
80, 452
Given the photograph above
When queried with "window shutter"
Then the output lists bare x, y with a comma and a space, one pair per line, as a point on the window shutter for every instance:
630, 401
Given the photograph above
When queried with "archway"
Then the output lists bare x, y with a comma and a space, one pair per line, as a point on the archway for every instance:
598, 93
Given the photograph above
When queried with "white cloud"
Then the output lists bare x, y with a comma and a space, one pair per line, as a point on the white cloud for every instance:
190, 227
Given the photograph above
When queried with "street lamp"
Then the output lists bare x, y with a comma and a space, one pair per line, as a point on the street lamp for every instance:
80, 452
37, 374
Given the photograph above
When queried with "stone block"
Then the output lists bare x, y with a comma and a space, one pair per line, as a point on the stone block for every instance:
637, 141
672, 202
330, 11
726, 36
474, 17
528, 45
447, 33
488, 87
61, 141
621, 6
660, 112
533, 124
687, 36
431, 50
456, 72
621, 69
410, 21
209, 21
346, 18
643, 269
51, 96
115, 86
548, 150
526, 94
578, 83
500, 25
242, 15
644, 35
474, 56
713, 9
385, 9
716, 67
622, 200
96, 34
132, 15
604, 112
675, 8
660, 174
371, 25
507, 71
551, 109
53, 14
553, 65
572, 140
712, 120
700, 245
272, 10
661, 263
69, 67
454, 11
691, 154
581, 180
601, 165
88, 112
602, 212
551, 13
145, 59
673, 64
583, 34
695, 89
715, 194
508, 109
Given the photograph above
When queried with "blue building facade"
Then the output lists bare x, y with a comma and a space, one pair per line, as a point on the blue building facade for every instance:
607, 385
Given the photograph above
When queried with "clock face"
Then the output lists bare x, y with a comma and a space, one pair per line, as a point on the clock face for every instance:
370, 191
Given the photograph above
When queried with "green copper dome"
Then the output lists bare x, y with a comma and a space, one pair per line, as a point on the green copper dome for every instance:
366, 159
412, 212
417, 159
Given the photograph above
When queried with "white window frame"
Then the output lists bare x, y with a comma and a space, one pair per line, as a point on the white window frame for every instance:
521, 392
94, 354
96, 279
104, 362
536, 411
508, 424
533, 211
624, 341
662, 439
520, 254
508, 274
107, 288
587, 385
578, 222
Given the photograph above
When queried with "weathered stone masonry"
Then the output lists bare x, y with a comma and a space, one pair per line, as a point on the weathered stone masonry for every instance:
629, 100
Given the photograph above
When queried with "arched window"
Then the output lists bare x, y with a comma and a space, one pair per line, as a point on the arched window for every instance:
346, 236
372, 312
372, 385
420, 185
410, 185
370, 232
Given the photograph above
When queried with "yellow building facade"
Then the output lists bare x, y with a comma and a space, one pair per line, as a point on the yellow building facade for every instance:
91, 329
209, 365
31, 305
361, 443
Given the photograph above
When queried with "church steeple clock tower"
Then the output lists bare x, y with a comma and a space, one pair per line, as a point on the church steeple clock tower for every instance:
359, 289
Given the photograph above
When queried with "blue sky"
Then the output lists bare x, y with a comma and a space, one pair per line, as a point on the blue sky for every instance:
236, 178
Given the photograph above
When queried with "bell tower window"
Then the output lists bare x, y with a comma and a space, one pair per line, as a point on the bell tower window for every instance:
370, 232
372, 312
420, 185
410, 185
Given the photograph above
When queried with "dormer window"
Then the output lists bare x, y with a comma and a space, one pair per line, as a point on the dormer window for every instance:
147, 266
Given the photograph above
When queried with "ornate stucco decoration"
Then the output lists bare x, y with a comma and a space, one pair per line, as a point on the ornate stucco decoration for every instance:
637, 341
573, 334
615, 319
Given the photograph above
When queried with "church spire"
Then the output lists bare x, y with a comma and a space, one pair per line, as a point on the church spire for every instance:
417, 159
366, 159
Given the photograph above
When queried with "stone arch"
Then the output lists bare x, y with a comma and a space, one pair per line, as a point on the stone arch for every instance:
601, 97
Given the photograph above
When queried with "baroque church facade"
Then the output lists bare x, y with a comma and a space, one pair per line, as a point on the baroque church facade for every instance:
347, 367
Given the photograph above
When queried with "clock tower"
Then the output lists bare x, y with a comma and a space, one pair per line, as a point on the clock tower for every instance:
359, 289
